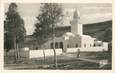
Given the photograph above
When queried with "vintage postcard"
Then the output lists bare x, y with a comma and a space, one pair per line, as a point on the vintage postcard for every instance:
57, 36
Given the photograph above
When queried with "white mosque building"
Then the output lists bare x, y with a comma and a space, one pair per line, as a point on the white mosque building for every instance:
76, 38
69, 41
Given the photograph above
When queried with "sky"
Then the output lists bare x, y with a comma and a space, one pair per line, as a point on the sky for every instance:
89, 13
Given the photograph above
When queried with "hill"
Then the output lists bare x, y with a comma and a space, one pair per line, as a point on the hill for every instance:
101, 31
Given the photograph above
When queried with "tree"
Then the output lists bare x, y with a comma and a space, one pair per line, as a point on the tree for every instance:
14, 29
51, 14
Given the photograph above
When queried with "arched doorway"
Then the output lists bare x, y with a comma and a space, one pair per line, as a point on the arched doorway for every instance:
51, 45
61, 45
56, 45
76, 45
67, 45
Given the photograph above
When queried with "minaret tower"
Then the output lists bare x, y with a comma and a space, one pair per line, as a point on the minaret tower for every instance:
76, 27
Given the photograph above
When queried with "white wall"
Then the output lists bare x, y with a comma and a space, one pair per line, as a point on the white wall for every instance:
49, 52
89, 49
105, 46
39, 53
87, 40
73, 41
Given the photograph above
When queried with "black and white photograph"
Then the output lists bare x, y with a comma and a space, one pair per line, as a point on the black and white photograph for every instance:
57, 36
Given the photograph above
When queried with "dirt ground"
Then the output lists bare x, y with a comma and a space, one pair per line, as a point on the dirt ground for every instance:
65, 61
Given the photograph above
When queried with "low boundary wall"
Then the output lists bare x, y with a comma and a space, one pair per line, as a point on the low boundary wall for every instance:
49, 52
